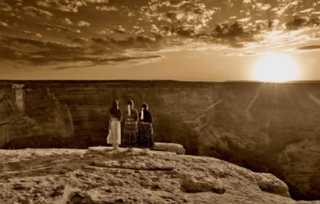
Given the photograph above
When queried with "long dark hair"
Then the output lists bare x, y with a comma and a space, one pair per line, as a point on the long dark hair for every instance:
115, 107
146, 114
131, 103
145, 106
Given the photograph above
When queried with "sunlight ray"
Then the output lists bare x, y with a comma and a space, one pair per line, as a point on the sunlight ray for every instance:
247, 114
213, 105
252, 101
314, 99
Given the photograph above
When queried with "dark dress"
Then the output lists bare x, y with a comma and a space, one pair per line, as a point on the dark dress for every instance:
145, 137
130, 128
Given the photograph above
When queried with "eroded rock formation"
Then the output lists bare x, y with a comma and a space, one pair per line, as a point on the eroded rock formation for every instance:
102, 175
266, 127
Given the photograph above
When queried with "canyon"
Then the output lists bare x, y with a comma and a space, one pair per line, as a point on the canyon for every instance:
265, 127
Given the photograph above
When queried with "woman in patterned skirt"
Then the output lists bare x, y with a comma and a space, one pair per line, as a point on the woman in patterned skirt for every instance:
114, 136
145, 131
130, 126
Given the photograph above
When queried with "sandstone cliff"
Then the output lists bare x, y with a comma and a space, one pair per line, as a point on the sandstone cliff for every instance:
266, 127
101, 175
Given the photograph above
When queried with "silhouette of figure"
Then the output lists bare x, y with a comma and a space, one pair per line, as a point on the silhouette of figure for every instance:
114, 136
145, 131
130, 126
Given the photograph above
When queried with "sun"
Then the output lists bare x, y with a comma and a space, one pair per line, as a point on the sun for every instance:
276, 68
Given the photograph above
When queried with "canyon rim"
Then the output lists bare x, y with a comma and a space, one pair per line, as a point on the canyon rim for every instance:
265, 127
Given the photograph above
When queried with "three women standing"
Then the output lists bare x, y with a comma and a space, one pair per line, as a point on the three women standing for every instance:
114, 136
132, 135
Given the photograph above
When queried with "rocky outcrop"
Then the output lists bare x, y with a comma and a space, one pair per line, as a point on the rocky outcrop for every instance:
103, 175
169, 147
266, 127
33, 115
270, 183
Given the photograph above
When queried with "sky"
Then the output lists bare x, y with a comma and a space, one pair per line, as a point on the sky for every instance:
192, 40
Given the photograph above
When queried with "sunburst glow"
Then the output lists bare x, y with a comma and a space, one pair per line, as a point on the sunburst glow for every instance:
276, 68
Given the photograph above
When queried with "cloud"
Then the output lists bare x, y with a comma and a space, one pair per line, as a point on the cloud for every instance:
3, 24
185, 31
120, 29
309, 10
35, 12
154, 29
83, 23
5, 7
231, 32
29, 33
45, 4
98, 1
25, 32
140, 42
66, 6
106, 8
145, 39
35, 53
244, 19
159, 25
266, 7
80, 41
73, 5
310, 47
114, 61
67, 21
249, 53
57, 28
101, 41
113, 30
299, 22
189, 17
120, 44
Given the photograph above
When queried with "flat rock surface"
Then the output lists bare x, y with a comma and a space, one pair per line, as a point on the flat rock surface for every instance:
169, 147
101, 175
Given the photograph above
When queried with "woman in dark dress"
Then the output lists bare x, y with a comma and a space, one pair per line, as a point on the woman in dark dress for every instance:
114, 136
130, 126
145, 131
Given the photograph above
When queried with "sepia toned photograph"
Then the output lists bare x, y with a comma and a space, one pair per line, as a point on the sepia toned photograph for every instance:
159, 101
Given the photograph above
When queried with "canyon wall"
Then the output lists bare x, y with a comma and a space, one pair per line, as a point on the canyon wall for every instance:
266, 127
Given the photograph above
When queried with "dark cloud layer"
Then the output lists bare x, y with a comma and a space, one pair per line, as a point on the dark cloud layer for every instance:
49, 53
311, 47
106, 61
299, 22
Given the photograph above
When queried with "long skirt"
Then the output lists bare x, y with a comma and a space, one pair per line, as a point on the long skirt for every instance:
145, 137
114, 136
129, 133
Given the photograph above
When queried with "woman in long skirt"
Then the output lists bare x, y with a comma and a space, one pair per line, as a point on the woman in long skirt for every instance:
114, 136
130, 126
145, 137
